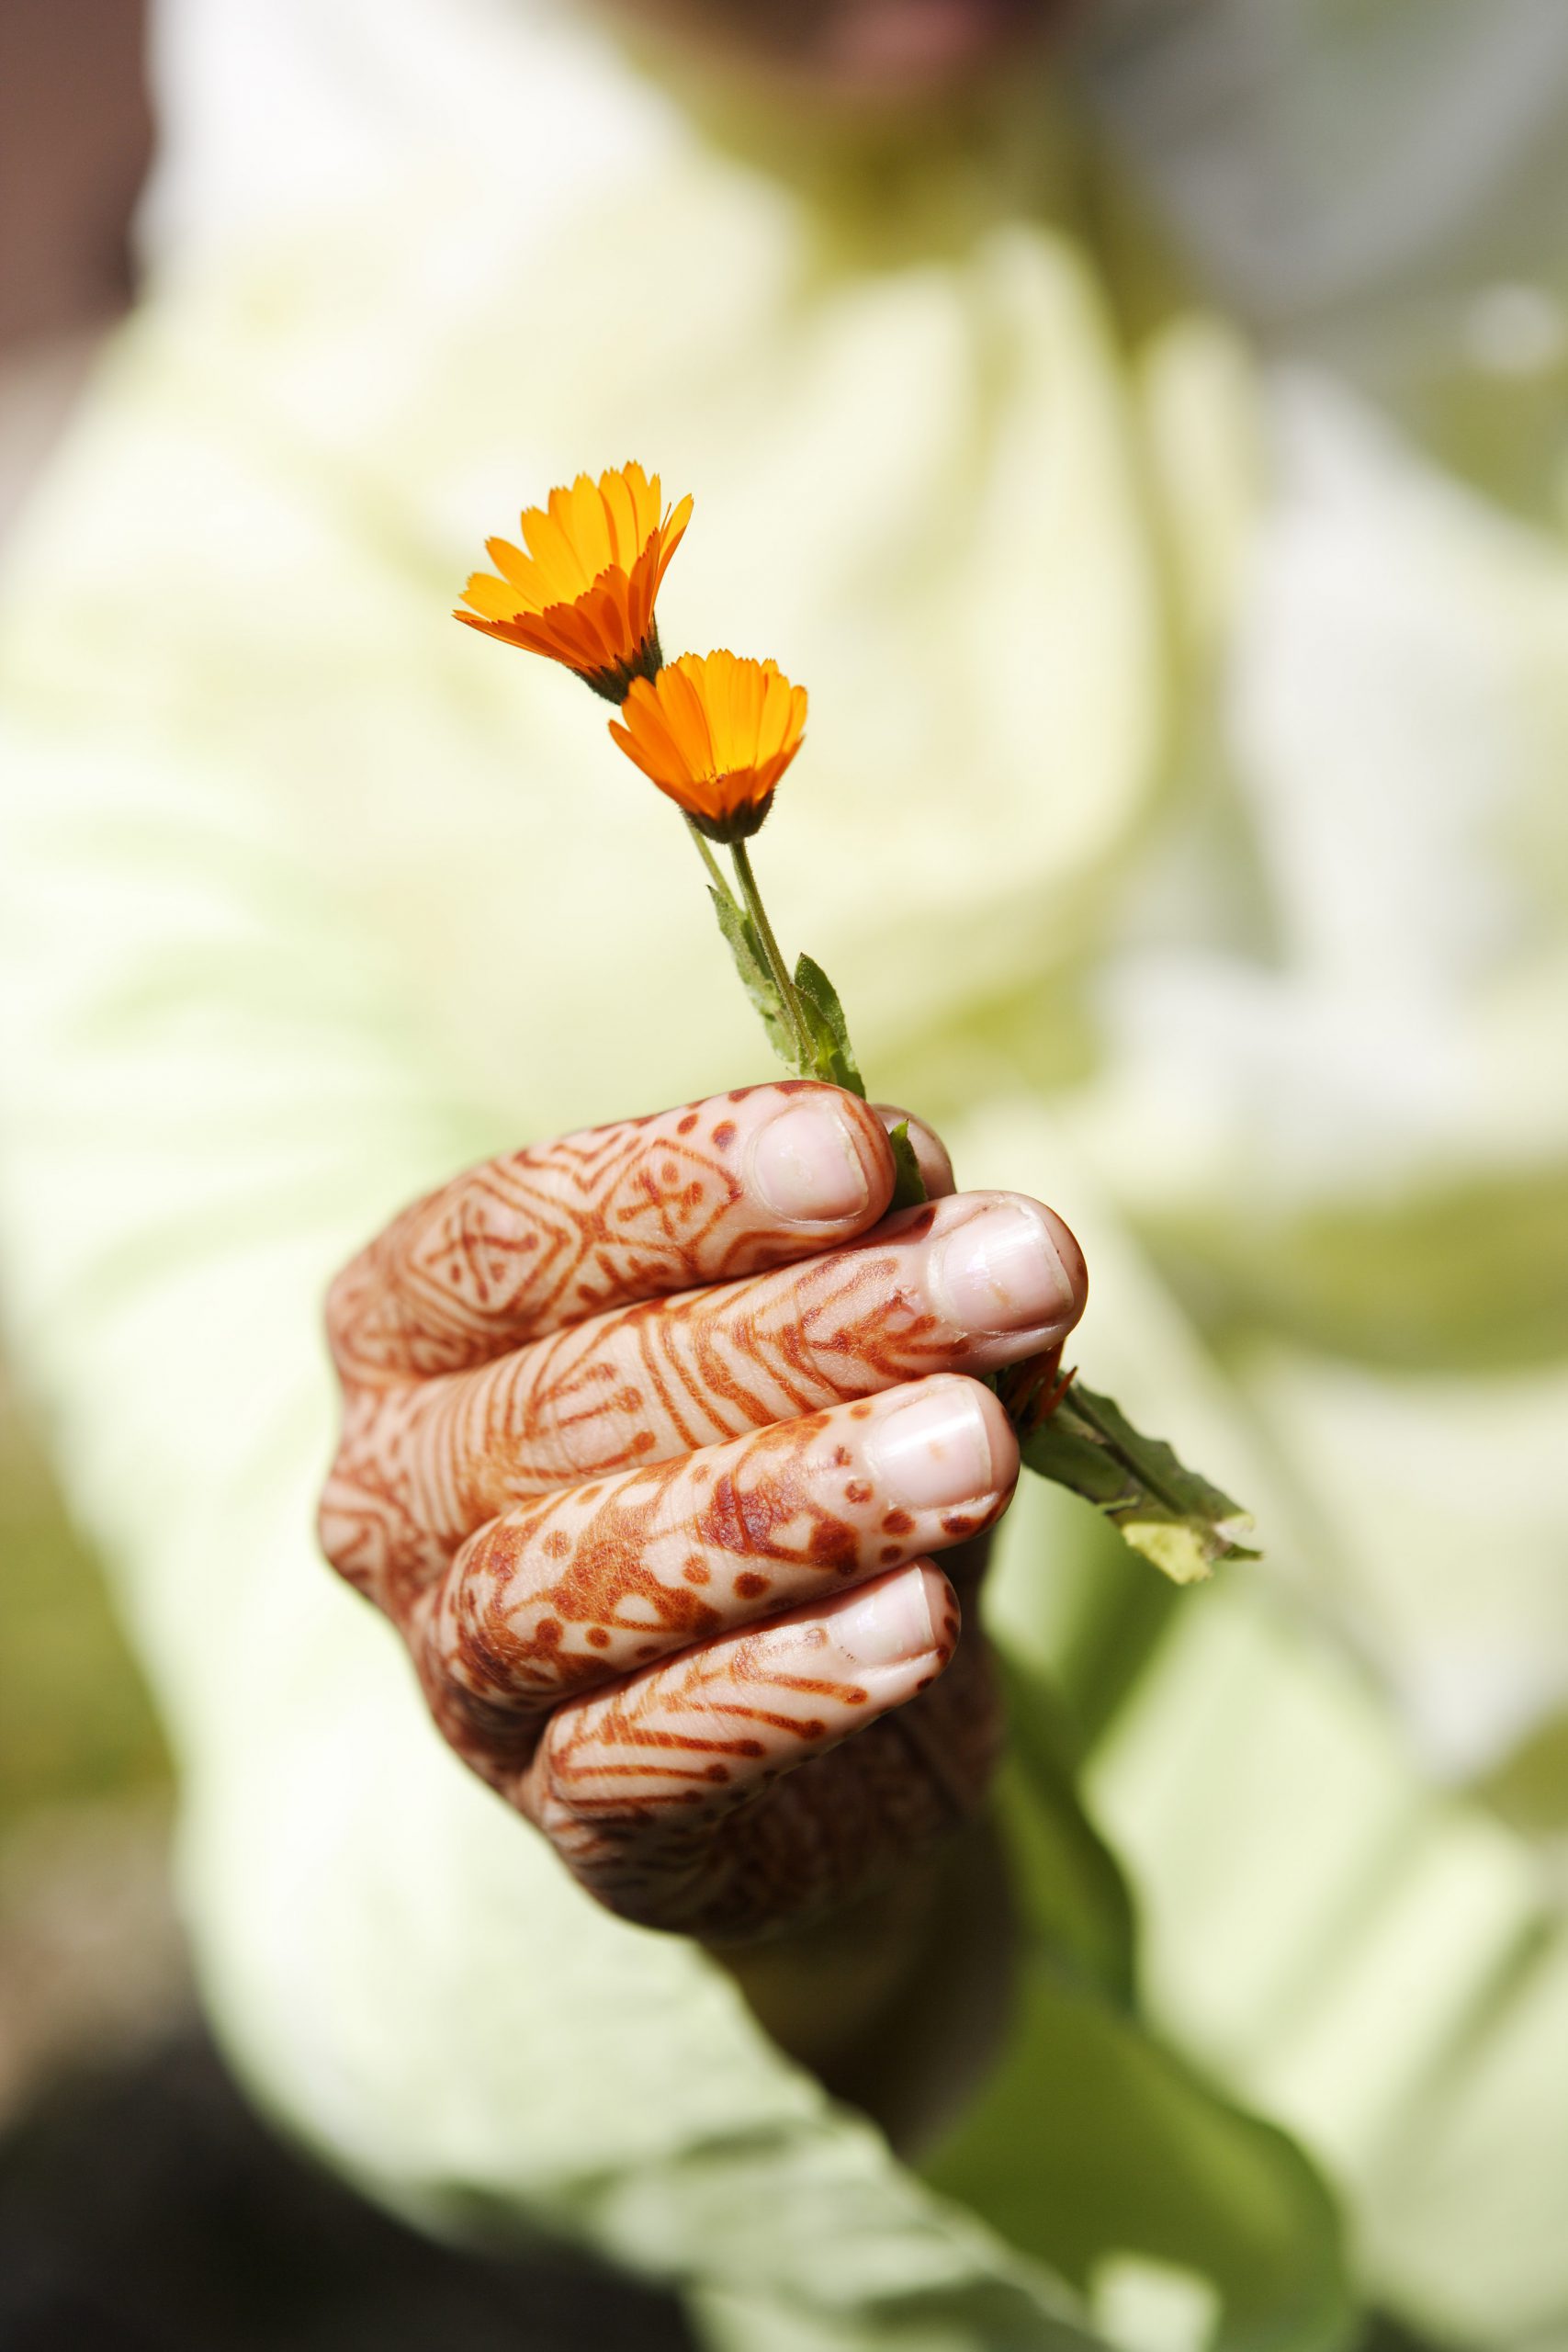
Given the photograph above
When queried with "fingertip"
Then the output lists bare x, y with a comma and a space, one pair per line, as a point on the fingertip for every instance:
1001, 1437
939, 1443
943, 1605
1073, 1266
1005, 1268
820, 1159
898, 1623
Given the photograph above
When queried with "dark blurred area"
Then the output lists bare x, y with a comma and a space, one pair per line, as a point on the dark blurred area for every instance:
76, 135
148, 2211
75, 139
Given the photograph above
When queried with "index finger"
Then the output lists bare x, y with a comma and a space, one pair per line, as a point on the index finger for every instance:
516, 1248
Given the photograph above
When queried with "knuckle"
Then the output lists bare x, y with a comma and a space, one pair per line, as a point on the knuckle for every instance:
368, 1522
329, 1533
470, 1689
344, 1305
340, 1524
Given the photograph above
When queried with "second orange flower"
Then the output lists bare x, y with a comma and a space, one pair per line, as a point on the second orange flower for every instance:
716, 731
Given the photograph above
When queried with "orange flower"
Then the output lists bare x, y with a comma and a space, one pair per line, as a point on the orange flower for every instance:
584, 591
716, 732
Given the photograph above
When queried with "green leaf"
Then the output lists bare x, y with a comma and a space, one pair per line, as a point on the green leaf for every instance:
834, 1060
1095, 2145
909, 1184
825, 1015
755, 978
1169, 1513
1073, 1901
823, 1058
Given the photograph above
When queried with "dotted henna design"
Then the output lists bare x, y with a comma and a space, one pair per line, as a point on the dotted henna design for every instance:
591, 1582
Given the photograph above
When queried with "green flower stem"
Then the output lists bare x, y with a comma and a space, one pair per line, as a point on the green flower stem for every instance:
774, 955
715, 871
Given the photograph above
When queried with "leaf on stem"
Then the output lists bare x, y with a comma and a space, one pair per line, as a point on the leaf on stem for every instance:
744, 946
833, 1057
1170, 1514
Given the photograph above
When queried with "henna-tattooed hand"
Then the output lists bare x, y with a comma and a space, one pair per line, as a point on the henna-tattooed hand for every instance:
647, 1437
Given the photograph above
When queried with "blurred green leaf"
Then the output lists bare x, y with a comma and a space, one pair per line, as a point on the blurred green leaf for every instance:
1529, 1787
1131, 2153
1075, 1900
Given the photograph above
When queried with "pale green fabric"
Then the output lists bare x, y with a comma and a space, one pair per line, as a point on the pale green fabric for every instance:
1181, 820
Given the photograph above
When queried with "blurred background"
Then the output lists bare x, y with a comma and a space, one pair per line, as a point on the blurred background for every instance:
142, 2207
88, 1959
1403, 280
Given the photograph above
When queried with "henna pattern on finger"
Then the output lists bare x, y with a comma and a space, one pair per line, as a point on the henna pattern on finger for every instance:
777, 1852
420, 1470
521, 1244
578, 1586
366, 1523
672, 1818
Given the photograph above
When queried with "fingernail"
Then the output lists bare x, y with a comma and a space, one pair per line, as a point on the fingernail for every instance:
889, 1625
805, 1166
1000, 1272
936, 1450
